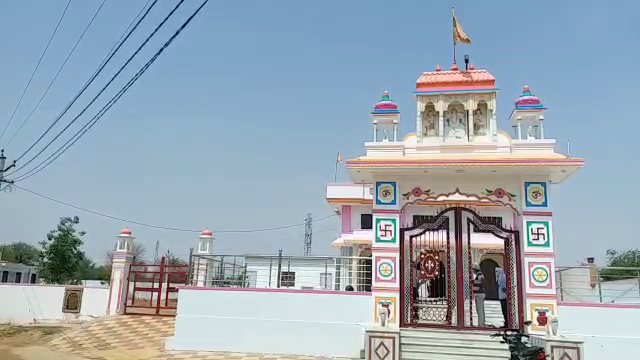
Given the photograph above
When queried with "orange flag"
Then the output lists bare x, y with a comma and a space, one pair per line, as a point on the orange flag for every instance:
459, 36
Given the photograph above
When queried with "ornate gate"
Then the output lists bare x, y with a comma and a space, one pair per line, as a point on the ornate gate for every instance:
437, 269
153, 289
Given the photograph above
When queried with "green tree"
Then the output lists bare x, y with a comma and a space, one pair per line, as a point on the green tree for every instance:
61, 259
621, 259
20, 252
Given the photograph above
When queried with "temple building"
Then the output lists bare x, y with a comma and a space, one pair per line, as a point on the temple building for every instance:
457, 196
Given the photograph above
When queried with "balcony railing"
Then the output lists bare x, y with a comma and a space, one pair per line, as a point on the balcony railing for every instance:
602, 285
336, 273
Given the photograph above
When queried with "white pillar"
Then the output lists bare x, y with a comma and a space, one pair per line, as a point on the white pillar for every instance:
375, 130
419, 129
470, 126
541, 119
203, 261
519, 128
395, 130
441, 124
121, 260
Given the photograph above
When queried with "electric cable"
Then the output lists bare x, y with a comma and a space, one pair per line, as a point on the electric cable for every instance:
57, 73
89, 82
128, 221
35, 69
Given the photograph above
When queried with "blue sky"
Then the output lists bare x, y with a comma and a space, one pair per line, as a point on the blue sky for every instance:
237, 125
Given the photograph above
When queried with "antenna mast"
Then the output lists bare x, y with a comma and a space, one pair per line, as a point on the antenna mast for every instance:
307, 235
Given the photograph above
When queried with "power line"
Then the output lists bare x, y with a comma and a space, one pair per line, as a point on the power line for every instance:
128, 221
90, 81
105, 108
57, 73
36, 69
113, 78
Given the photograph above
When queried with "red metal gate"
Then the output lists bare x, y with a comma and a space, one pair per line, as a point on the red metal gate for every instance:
153, 289
437, 269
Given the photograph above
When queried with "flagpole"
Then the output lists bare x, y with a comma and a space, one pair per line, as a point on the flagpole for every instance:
453, 28
335, 174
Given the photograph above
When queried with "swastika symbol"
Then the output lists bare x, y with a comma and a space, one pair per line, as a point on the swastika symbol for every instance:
538, 234
385, 230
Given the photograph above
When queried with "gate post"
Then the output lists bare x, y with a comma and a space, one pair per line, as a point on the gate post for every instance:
385, 252
204, 263
121, 260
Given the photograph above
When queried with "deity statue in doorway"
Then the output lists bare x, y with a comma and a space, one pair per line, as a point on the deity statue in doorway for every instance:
456, 124
479, 122
430, 121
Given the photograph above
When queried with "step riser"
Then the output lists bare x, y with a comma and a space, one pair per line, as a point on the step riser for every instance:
455, 344
439, 344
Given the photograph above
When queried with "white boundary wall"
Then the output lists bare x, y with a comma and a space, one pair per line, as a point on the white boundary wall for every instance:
29, 304
272, 321
609, 331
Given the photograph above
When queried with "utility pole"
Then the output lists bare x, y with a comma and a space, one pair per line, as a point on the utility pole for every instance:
155, 256
307, 235
3, 160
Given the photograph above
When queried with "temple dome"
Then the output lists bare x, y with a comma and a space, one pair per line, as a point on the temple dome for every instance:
385, 105
528, 100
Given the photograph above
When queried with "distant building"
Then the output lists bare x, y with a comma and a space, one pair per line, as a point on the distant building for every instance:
14, 273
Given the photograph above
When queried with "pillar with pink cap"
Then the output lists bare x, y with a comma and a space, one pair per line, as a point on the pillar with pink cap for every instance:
203, 261
122, 257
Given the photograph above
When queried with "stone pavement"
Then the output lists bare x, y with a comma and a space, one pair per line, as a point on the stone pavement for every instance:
129, 337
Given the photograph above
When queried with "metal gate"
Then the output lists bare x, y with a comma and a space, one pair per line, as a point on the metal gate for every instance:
153, 289
437, 269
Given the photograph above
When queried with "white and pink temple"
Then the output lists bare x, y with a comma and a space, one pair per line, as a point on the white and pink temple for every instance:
425, 210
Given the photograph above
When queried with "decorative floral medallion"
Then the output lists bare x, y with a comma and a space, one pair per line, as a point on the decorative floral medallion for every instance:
500, 193
429, 264
386, 269
417, 192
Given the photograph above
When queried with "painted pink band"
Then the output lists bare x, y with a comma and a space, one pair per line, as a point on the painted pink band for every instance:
295, 291
55, 285
386, 211
385, 249
537, 213
389, 289
597, 305
544, 255
542, 296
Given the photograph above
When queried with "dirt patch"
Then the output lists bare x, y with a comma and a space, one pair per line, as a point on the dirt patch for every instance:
13, 338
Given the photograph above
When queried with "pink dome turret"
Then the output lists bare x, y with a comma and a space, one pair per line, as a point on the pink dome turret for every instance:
528, 101
385, 105
126, 232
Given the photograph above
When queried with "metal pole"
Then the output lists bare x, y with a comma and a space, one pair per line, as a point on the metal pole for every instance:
279, 267
189, 271
560, 282
270, 271
600, 290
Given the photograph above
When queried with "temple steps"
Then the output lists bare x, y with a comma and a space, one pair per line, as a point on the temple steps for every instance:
432, 344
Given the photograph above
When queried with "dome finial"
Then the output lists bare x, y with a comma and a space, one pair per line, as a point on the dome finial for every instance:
385, 96
526, 91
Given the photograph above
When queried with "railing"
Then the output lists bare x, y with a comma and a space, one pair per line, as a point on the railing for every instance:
337, 273
602, 285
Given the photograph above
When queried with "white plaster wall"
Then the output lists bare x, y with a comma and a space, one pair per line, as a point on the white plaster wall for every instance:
307, 271
28, 304
608, 333
273, 322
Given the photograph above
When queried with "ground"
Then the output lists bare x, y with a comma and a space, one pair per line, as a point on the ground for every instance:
111, 338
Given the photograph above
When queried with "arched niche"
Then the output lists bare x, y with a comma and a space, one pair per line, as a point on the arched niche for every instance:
455, 122
481, 119
430, 120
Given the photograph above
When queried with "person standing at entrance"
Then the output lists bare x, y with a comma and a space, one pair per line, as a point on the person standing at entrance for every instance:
478, 294
501, 280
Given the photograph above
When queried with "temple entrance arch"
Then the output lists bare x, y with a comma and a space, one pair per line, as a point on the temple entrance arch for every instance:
436, 257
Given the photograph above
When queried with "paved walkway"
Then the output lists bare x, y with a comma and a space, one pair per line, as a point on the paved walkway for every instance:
128, 337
